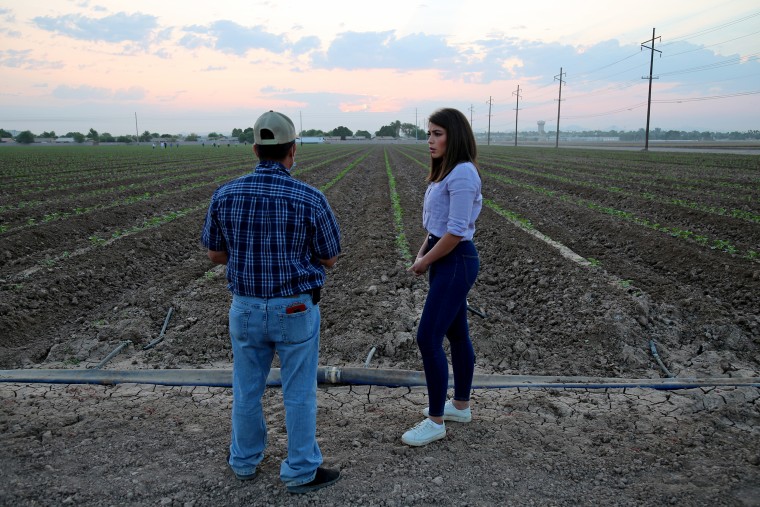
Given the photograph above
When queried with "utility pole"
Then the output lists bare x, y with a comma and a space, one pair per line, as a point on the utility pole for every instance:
300, 121
649, 99
559, 103
137, 132
472, 108
490, 103
416, 128
517, 110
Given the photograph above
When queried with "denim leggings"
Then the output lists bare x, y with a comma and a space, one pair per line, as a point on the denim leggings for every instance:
445, 314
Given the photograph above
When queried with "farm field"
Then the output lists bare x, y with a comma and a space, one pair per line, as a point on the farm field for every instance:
588, 260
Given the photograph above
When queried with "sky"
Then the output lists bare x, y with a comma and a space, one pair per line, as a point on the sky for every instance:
182, 67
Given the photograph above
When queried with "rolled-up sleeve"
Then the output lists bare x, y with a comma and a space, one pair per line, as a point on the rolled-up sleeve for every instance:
464, 192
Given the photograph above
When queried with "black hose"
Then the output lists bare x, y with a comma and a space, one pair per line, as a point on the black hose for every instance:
653, 348
331, 375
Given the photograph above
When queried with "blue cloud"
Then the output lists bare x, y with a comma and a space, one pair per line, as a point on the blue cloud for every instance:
372, 50
118, 27
230, 37
306, 44
20, 59
191, 41
605, 64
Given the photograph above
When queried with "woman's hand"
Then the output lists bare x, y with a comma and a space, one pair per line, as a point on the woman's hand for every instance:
419, 267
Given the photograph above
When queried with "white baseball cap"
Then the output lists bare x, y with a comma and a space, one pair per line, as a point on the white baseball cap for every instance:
273, 128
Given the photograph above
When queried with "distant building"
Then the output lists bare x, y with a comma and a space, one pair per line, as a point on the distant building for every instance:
311, 140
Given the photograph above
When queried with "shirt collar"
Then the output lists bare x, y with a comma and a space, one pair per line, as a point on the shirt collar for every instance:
270, 166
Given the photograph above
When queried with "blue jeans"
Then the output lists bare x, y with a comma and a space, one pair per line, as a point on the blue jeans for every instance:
258, 328
445, 314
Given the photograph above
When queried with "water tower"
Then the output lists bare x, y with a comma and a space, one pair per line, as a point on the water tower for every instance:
541, 131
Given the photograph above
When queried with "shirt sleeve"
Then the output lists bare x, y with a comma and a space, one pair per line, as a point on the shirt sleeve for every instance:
464, 188
212, 237
327, 233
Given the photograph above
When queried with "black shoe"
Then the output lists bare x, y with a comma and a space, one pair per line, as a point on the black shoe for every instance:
244, 477
240, 477
324, 477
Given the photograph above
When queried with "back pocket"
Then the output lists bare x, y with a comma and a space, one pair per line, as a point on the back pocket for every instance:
297, 327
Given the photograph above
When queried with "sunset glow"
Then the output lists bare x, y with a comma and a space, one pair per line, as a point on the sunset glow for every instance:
73, 65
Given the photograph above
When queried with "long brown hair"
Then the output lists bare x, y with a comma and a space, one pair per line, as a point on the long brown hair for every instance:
460, 143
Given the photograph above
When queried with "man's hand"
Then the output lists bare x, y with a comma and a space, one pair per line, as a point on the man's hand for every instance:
328, 263
217, 257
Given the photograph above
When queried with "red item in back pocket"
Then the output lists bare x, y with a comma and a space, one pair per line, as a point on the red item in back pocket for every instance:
296, 308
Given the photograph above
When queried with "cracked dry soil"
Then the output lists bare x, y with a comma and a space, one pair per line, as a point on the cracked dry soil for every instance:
546, 315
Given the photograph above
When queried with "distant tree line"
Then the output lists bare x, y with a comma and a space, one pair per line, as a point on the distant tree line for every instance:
394, 129
656, 134
27, 137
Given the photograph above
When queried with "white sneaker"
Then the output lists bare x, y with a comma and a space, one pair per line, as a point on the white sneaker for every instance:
423, 433
451, 413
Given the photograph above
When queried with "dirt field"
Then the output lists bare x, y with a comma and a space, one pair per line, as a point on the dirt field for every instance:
76, 286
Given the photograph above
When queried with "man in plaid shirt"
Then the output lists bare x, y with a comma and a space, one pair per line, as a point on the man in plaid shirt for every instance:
276, 235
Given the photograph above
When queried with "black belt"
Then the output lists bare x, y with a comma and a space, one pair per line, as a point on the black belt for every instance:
316, 294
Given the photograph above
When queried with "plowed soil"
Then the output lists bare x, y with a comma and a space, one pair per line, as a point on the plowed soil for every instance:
591, 303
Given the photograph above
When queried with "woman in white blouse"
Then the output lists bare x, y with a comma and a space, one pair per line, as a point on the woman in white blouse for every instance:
453, 201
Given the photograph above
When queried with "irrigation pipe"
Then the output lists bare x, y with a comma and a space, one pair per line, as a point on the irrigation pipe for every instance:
163, 330
113, 354
653, 348
369, 356
332, 375
476, 312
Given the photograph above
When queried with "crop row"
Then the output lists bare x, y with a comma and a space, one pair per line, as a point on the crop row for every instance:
87, 167
702, 239
649, 196
732, 191
151, 187
187, 205
324, 163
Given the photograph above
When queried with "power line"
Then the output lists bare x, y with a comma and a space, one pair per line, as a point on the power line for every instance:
716, 65
609, 64
661, 101
711, 45
712, 97
713, 29
606, 113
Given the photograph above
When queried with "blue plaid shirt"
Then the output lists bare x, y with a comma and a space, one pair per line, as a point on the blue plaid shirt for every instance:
274, 229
